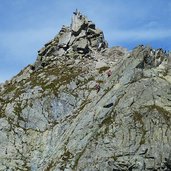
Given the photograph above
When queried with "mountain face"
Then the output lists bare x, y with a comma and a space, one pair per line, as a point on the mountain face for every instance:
84, 106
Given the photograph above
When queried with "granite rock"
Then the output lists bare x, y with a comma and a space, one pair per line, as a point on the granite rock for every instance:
52, 117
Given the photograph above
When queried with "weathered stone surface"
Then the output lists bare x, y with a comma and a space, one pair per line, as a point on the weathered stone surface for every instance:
77, 22
64, 39
82, 45
53, 118
81, 37
101, 64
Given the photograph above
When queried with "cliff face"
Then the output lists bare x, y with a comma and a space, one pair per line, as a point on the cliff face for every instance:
83, 106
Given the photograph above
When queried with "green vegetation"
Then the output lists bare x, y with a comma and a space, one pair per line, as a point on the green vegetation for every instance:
17, 108
103, 69
114, 157
166, 115
78, 156
63, 74
50, 166
100, 81
137, 117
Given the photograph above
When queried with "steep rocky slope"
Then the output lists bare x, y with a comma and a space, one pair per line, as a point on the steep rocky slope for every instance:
84, 106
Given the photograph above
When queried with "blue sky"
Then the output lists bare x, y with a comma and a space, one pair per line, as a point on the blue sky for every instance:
26, 25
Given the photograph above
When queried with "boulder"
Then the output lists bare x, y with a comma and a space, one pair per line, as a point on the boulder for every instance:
64, 39
82, 44
77, 23
101, 64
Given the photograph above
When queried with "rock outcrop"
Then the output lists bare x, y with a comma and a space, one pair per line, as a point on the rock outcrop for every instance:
79, 40
66, 112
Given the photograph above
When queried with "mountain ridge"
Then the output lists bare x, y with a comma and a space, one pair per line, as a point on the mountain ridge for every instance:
84, 106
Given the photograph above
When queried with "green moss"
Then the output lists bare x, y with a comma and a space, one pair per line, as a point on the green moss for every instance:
64, 75
166, 115
13, 89
100, 81
9, 87
18, 109
83, 104
66, 156
137, 117
107, 121
49, 167
107, 90
103, 69
2, 114
78, 156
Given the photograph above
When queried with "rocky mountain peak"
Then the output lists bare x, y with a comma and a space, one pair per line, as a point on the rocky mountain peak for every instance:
85, 107
78, 40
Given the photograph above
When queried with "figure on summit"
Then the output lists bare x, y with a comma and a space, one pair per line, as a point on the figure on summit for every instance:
76, 11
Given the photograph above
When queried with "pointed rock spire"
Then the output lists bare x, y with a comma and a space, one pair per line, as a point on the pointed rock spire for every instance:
78, 40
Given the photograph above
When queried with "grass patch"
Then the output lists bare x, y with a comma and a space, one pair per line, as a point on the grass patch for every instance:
103, 69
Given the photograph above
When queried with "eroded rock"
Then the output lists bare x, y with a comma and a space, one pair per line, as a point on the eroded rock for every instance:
81, 37
53, 118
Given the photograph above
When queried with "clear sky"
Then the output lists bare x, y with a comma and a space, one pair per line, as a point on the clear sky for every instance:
26, 25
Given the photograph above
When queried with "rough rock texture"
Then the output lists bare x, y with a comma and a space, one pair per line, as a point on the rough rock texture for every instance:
81, 39
53, 117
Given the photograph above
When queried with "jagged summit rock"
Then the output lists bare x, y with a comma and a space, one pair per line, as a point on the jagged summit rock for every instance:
109, 111
79, 40
151, 57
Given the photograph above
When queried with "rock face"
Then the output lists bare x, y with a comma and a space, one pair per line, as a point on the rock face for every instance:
53, 117
79, 40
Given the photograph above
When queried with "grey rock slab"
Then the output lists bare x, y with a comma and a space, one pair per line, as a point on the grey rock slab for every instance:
77, 23
64, 39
